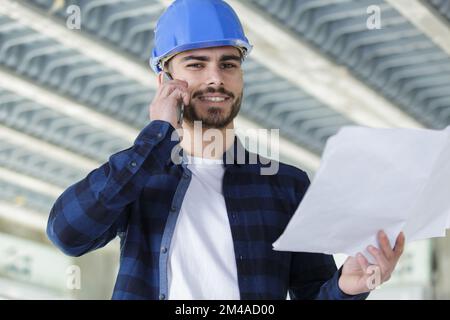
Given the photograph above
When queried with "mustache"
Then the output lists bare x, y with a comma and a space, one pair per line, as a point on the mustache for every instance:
221, 90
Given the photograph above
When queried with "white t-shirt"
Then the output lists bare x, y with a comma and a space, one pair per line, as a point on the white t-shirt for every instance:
201, 258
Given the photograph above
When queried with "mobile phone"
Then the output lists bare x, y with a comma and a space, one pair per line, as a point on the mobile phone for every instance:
180, 109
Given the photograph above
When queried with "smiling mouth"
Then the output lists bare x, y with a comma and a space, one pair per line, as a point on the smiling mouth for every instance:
214, 99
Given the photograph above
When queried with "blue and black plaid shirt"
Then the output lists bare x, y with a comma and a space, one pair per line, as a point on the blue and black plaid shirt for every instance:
137, 195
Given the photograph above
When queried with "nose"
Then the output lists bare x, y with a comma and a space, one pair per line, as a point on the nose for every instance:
214, 77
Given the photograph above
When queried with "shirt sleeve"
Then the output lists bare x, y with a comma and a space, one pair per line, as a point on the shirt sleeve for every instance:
90, 213
315, 276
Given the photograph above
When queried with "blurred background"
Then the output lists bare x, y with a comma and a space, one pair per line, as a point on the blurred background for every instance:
75, 86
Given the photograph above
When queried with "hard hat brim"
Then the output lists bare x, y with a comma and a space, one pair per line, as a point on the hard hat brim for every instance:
157, 66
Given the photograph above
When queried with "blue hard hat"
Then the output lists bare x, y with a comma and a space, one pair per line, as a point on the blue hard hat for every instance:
196, 24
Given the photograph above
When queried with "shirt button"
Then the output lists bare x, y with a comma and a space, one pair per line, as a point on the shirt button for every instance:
233, 216
162, 296
241, 257
163, 249
133, 164
159, 135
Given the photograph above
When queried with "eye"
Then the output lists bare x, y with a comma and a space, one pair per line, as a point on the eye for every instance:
228, 65
195, 65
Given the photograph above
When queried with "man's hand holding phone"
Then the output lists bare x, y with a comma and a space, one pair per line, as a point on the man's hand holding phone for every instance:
169, 99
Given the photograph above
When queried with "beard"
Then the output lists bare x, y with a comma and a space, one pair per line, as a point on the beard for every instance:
216, 117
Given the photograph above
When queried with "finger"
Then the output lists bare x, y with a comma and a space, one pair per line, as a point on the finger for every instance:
380, 258
399, 245
164, 90
362, 261
181, 94
385, 245
181, 83
178, 82
186, 98
168, 88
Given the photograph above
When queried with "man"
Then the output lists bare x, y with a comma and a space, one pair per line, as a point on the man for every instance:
202, 228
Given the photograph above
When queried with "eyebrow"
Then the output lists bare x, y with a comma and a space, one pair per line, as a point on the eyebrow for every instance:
206, 59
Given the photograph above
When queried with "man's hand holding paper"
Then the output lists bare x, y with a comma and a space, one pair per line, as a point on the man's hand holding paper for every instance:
370, 180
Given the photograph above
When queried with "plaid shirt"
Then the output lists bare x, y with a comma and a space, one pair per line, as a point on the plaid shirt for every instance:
137, 195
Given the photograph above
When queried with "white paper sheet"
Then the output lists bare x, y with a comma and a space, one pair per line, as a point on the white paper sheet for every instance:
373, 179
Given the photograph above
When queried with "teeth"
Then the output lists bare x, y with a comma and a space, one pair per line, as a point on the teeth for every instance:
213, 99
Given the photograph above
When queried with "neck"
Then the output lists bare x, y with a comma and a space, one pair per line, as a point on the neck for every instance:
207, 143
